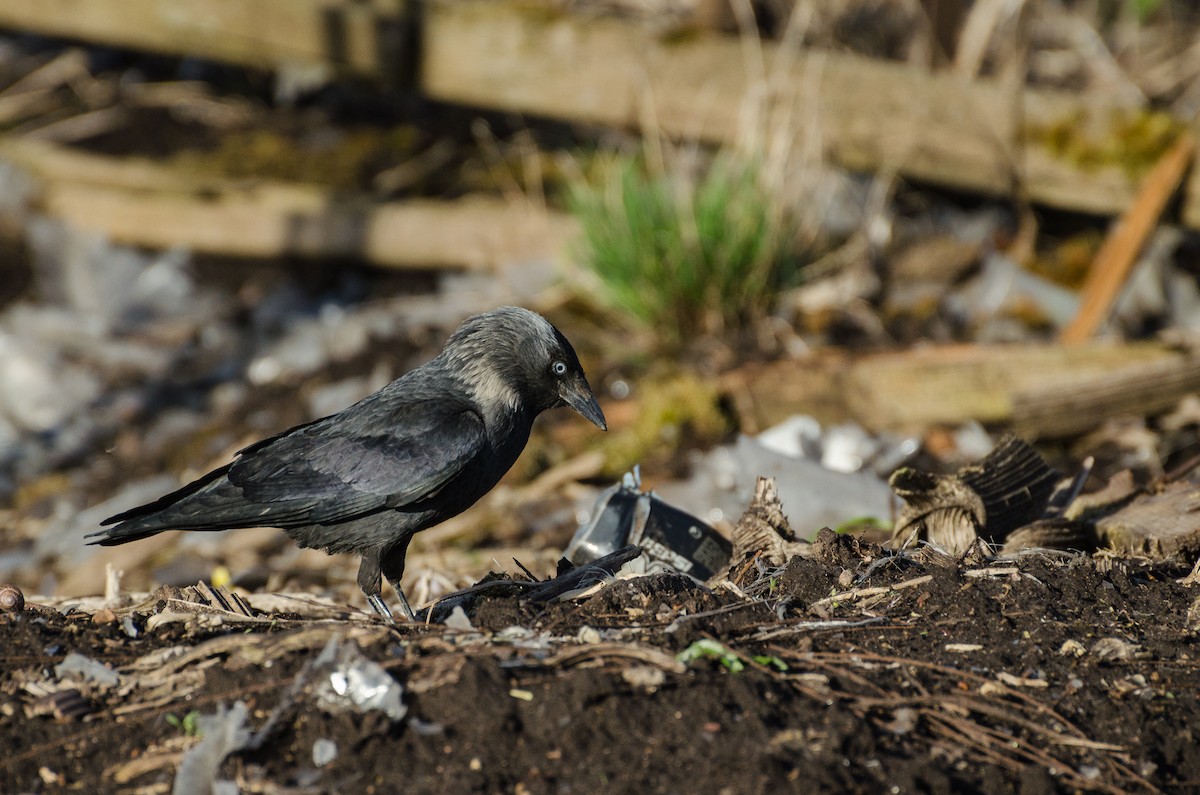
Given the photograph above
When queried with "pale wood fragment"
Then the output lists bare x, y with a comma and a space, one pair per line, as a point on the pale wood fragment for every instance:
1065, 407
911, 390
137, 202
1115, 259
1158, 524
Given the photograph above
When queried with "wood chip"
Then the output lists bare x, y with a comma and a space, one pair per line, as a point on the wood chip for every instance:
862, 593
1020, 681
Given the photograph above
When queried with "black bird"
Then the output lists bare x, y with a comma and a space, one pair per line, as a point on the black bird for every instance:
421, 450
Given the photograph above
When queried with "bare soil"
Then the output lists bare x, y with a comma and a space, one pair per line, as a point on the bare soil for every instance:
1037, 673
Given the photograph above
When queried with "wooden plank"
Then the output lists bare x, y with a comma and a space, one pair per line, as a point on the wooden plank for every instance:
340, 35
1067, 406
137, 202
472, 233
1160, 523
531, 57
869, 115
909, 391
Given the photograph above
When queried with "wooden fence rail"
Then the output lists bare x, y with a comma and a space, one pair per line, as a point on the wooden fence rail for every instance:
978, 135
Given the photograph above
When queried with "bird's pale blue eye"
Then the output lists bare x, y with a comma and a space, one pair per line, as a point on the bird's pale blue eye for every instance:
559, 368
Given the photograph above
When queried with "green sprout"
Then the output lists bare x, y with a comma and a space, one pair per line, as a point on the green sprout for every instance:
710, 649
188, 724
771, 661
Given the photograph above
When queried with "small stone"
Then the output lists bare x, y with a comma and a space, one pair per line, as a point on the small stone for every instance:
647, 677
324, 751
588, 635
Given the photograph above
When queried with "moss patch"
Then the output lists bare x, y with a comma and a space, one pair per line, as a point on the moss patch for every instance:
1131, 141
345, 162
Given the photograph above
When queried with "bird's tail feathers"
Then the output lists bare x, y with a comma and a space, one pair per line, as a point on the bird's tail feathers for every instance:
167, 500
173, 511
111, 536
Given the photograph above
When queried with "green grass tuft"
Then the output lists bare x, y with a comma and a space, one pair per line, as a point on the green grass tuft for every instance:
687, 255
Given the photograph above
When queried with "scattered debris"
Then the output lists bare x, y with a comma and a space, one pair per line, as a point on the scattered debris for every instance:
223, 733
77, 667
1007, 490
764, 530
1114, 649
346, 680
845, 447
723, 481
670, 538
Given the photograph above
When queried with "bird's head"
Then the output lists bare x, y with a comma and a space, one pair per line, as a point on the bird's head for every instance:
512, 356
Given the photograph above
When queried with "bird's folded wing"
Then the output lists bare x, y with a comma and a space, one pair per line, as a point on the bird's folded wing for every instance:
327, 475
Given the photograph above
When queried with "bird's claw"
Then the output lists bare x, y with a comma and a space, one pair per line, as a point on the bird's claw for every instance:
380, 607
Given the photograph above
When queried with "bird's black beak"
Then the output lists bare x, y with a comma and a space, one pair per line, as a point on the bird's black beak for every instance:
578, 395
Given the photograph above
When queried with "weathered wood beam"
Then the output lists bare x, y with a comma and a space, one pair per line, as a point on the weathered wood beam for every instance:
356, 37
979, 135
1044, 390
867, 115
140, 203
1068, 406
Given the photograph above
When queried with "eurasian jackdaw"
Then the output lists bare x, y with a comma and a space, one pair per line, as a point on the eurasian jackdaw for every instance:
420, 450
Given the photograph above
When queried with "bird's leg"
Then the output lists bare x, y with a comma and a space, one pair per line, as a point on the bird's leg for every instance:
392, 566
408, 611
379, 606
370, 580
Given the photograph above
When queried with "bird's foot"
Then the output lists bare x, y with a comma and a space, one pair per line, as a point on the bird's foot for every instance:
380, 607
408, 611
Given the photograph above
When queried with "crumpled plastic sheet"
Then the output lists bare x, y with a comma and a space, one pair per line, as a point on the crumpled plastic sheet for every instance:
347, 681
78, 666
224, 733
813, 496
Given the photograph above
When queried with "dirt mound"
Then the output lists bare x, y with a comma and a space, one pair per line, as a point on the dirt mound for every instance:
856, 670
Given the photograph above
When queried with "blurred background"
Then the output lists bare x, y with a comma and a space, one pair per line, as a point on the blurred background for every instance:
815, 240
